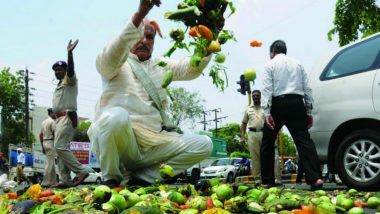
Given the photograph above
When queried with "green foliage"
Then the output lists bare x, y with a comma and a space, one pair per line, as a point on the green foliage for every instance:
12, 100
354, 18
231, 133
288, 146
81, 132
239, 154
185, 106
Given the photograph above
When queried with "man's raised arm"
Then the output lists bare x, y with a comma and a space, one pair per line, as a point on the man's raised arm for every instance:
116, 53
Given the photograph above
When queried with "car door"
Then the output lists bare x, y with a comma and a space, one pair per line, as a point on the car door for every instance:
376, 92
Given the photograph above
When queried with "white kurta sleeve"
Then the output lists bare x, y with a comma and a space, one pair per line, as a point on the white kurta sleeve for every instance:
116, 53
182, 70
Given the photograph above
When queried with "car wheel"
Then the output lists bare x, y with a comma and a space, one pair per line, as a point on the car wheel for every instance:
358, 160
195, 175
230, 177
98, 181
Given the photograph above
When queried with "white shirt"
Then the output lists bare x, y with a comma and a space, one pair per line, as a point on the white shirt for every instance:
284, 75
21, 158
122, 89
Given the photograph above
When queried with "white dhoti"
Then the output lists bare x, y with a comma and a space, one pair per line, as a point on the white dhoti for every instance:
116, 147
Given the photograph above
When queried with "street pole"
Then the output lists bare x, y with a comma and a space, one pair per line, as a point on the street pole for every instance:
27, 106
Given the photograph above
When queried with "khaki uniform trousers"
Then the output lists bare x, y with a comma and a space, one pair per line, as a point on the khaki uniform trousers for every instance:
116, 149
67, 162
50, 176
20, 174
254, 145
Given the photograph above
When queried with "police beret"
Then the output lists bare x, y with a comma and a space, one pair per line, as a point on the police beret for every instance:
62, 64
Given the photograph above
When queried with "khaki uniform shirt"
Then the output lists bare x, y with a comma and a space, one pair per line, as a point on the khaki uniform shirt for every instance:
47, 129
65, 95
254, 117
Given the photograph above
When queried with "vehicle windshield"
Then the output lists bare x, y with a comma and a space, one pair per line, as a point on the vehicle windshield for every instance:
222, 162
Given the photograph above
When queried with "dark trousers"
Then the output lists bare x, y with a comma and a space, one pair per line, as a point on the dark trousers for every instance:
289, 111
300, 172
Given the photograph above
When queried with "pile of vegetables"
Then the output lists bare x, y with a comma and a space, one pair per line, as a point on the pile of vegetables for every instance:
208, 197
204, 21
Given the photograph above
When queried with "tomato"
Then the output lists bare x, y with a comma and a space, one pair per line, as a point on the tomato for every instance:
214, 46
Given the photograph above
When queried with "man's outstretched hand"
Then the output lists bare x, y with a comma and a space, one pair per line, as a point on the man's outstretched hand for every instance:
144, 8
310, 121
71, 46
269, 121
147, 5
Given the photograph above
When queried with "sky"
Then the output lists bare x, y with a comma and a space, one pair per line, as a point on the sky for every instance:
34, 34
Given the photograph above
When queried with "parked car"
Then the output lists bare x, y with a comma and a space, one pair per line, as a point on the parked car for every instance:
193, 173
94, 177
225, 168
346, 112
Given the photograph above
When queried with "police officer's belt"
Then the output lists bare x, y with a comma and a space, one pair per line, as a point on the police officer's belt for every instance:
59, 114
255, 130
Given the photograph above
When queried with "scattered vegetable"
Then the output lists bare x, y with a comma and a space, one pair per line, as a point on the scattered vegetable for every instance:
255, 43
167, 78
205, 21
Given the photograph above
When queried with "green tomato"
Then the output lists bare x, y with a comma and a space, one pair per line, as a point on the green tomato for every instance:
347, 203
373, 202
250, 74
220, 58
356, 210
166, 171
224, 192
214, 46
326, 207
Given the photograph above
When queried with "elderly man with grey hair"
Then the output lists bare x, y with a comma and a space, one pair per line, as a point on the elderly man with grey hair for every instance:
131, 131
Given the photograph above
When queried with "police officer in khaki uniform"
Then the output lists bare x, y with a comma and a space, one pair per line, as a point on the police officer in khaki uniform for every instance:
64, 110
254, 119
47, 144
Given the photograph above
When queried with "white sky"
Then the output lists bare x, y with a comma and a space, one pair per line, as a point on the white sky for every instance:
35, 34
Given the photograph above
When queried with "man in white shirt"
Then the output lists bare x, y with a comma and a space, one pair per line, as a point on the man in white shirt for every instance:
129, 132
20, 157
287, 100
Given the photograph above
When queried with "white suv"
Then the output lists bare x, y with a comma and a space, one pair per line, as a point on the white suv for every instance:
346, 131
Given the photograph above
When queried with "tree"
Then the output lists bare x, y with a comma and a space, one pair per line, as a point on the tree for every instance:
81, 132
185, 106
231, 133
12, 100
354, 17
288, 147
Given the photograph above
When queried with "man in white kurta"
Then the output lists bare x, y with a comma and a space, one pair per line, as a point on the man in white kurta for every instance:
127, 132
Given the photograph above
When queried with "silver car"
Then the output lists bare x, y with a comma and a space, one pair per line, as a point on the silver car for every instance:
346, 130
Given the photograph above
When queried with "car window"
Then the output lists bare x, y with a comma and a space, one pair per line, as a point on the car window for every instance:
364, 56
222, 162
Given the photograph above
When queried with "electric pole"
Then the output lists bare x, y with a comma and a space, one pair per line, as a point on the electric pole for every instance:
27, 105
27, 94
216, 119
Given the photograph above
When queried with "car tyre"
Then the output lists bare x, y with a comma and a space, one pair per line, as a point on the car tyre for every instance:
358, 160
98, 181
230, 177
195, 175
